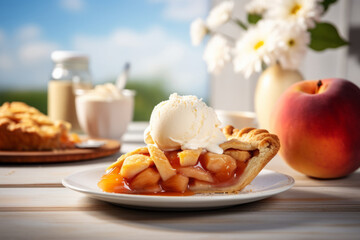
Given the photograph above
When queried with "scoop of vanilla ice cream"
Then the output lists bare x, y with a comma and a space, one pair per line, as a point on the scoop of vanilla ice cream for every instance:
104, 92
185, 122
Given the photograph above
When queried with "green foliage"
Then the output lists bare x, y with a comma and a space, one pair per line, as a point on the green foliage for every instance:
253, 18
35, 98
324, 36
148, 94
326, 4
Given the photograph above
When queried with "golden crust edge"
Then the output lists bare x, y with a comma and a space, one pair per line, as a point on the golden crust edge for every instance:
268, 145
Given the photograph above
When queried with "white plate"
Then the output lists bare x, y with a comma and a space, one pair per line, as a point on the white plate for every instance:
266, 184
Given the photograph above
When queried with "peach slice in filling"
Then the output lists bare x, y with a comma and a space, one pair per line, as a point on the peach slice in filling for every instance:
153, 171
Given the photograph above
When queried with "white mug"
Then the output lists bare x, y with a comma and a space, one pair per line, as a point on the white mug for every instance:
105, 118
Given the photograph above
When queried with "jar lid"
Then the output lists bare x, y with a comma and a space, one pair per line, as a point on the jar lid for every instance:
69, 56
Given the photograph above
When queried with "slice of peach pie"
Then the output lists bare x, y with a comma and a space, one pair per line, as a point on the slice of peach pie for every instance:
149, 170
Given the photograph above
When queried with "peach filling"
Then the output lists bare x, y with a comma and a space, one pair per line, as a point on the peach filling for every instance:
174, 172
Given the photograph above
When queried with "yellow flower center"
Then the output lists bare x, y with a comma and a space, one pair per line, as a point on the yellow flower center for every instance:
291, 42
295, 9
258, 45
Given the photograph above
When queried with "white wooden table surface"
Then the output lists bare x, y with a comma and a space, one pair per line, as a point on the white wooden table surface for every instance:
35, 205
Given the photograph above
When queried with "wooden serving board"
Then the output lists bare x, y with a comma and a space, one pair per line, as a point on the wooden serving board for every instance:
66, 155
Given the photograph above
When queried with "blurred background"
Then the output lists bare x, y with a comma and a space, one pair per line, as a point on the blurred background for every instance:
153, 35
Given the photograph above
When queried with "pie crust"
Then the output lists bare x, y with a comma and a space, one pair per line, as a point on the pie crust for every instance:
25, 128
149, 170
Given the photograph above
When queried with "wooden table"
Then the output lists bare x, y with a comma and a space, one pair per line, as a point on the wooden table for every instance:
35, 205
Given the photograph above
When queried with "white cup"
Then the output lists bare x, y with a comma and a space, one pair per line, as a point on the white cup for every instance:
238, 119
105, 118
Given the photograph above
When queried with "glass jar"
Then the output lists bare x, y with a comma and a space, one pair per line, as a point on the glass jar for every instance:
70, 76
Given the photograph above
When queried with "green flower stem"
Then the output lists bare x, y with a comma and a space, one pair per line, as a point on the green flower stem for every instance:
240, 23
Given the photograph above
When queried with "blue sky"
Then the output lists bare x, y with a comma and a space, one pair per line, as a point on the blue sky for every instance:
152, 34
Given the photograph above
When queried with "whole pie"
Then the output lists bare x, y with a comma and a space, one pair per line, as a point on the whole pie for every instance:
149, 170
25, 128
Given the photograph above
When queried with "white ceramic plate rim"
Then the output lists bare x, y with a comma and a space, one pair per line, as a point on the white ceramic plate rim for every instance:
178, 202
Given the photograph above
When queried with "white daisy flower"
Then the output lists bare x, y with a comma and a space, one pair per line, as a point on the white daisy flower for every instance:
290, 44
258, 6
220, 14
254, 49
217, 53
198, 30
305, 12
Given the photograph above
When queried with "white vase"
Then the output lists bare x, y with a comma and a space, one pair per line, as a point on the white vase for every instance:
271, 84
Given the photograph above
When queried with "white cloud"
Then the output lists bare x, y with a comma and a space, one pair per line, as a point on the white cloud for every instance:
6, 63
25, 58
183, 10
36, 52
31, 49
2, 36
152, 53
73, 5
28, 32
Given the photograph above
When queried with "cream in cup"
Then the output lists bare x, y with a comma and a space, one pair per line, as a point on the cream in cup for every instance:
105, 111
238, 119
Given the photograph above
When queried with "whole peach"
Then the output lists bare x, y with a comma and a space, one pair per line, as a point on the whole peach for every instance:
318, 123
